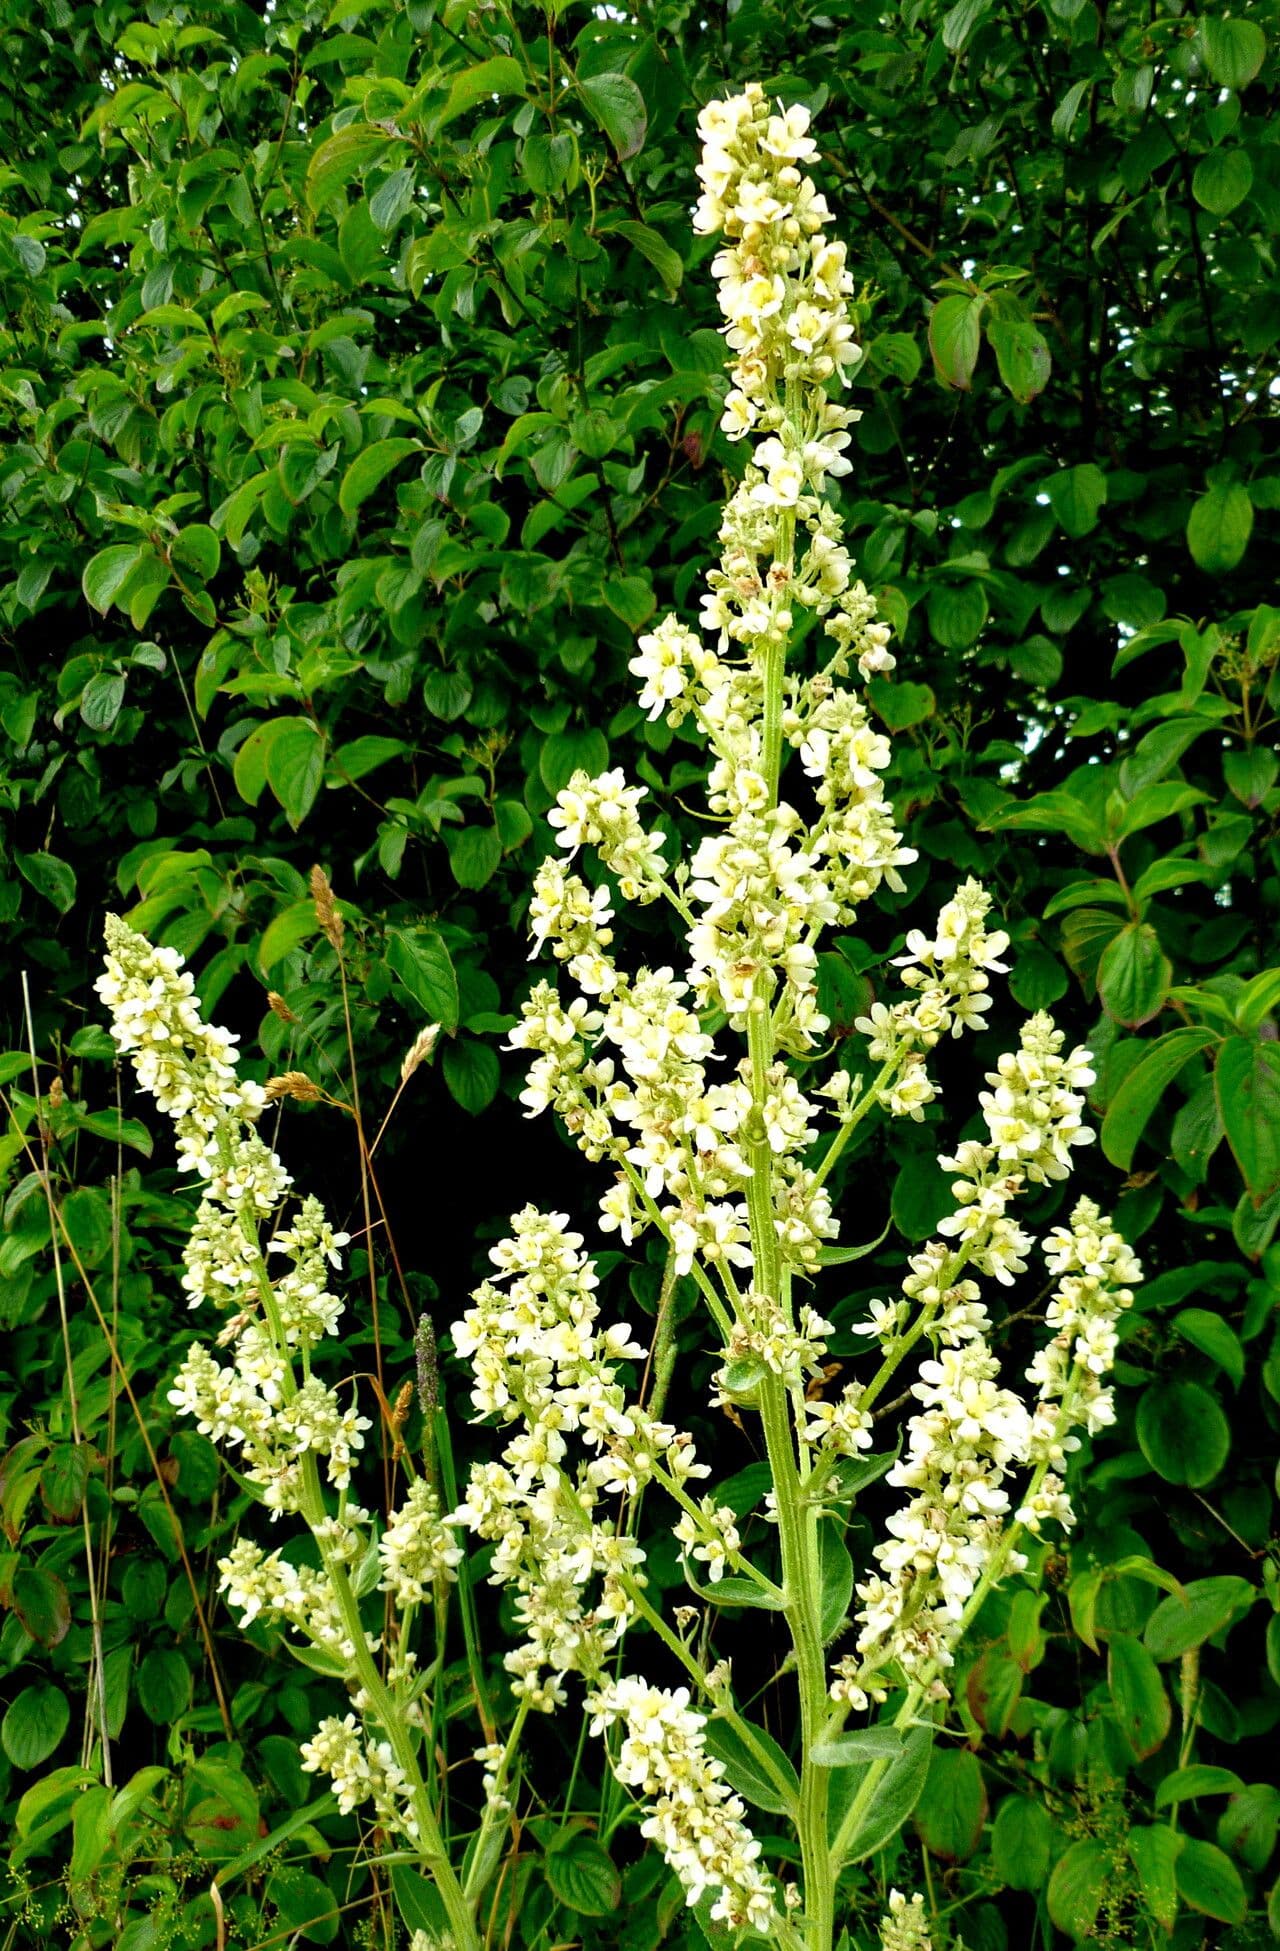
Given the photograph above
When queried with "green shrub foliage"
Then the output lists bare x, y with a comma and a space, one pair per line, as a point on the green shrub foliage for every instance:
360, 387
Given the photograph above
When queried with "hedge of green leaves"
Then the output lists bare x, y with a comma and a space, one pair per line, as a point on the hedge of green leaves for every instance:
360, 387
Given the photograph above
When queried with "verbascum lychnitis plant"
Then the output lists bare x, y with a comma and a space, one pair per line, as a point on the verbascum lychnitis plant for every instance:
706, 1087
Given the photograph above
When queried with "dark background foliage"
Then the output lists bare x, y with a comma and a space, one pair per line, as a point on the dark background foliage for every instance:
360, 387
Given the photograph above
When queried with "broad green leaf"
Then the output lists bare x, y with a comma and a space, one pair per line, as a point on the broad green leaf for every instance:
1219, 527
1134, 975
582, 1874
1076, 496
365, 755
1182, 1432
1077, 1886
472, 1073
770, 1784
501, 76
953, 1807
371, 467
565, 753
101, 699
955, 336
618, 106
341, 160
1198, 1613
1222, 180
475, 854
885, 1792
1153, 1852
665, 261
1247, 1075
295, 766
1142, 1706
304, 1904
53, 878
197, 549
1022, 356
106, 573
1214, 1337
421, 960
1185, 1784
1233, 49
34, 1724
163, 1685
1021, 1843
1142, 1090
1209, 1881
858, 1745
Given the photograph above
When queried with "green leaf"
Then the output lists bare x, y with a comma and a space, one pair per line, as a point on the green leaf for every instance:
1133, 1104
1153, 1853
1022, 356
1185, 1784
106, 574
295, 766
1076, 1888
49, 876
101, 699
1247, 1078
501, 75
897, 1789
371, 467
1214, 1337
341, 159
1250, 1823
665, 261
365, 755
286, 932
423, 963
472, 1073
475, 854
746, 1771
1183, 1433
197, 548
1222, 180
1134, 975
40, 1601
1021, 1843
34, 1723
1142, 1706
953, 1807
1076, 496
857, 1746
164, 1685
836, 1571
549, 162
1184, 1621
582, 1875
618, 106
1219, 527
1233, 50
1209, 1881
565, 753
305, 1905
955, 336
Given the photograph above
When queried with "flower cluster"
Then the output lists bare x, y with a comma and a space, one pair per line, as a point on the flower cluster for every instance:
541, 1362
285, 1426
253, 1403
695, 1818
1096, 1272
970, 1433
905, 1927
